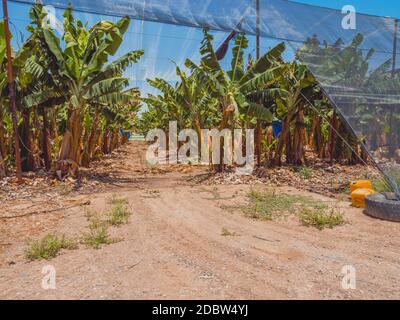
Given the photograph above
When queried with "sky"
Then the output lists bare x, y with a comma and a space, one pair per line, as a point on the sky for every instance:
165, 45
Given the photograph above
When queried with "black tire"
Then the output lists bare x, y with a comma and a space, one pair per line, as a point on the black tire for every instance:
378, 206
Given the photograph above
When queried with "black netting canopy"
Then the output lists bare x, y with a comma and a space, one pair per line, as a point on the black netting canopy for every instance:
356, 67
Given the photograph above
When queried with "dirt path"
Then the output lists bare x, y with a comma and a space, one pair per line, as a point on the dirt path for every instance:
172, 247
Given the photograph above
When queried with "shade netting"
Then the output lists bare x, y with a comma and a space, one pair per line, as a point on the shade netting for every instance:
354, 64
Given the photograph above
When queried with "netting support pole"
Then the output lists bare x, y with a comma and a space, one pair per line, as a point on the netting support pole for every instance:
12, 97
396, 28
392, 122
258, 29
258, 128
393, 135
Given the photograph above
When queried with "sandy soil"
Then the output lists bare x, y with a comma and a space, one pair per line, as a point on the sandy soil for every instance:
172, 247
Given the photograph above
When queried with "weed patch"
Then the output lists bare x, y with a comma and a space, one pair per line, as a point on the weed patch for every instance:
226, 233
119, 214
97, 235
264, 205
48, 247
321, 219
270, 204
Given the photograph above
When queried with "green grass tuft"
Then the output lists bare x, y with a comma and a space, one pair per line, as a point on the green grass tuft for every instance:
48, 247
321, 219
119, 214
97, 235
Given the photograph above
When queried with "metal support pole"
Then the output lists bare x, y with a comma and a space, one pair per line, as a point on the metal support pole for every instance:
393, 134
392, 122
12, 96
396, 28
258, 29
258, 126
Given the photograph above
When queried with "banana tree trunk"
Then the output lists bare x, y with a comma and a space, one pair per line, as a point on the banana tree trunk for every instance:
46, 147
298, 142
88, 150
289, 147
318, 138
2, 167
106, 142
27, 161
3, 149
70, 152
114, 140
35, 140
258, 142
332, 136
198, 127
53, 124
269, 137
364, 156
282, 140
373, 129
354, 157
75, 126
3, 171
226, 116
98, 148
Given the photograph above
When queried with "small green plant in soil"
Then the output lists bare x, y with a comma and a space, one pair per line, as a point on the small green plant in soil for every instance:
321, 219
306, 173
115, 200
48, 247
98, 234
118, 214
227, 233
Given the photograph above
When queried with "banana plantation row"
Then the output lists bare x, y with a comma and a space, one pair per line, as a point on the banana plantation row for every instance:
73, 103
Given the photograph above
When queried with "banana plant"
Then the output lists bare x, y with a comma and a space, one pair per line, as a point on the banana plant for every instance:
187, 101
82, 65
297, 85
367, 99
233, 89
165, 106
26, 83
200, 106
108, 117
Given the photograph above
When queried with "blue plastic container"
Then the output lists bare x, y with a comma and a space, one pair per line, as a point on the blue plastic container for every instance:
276, 128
